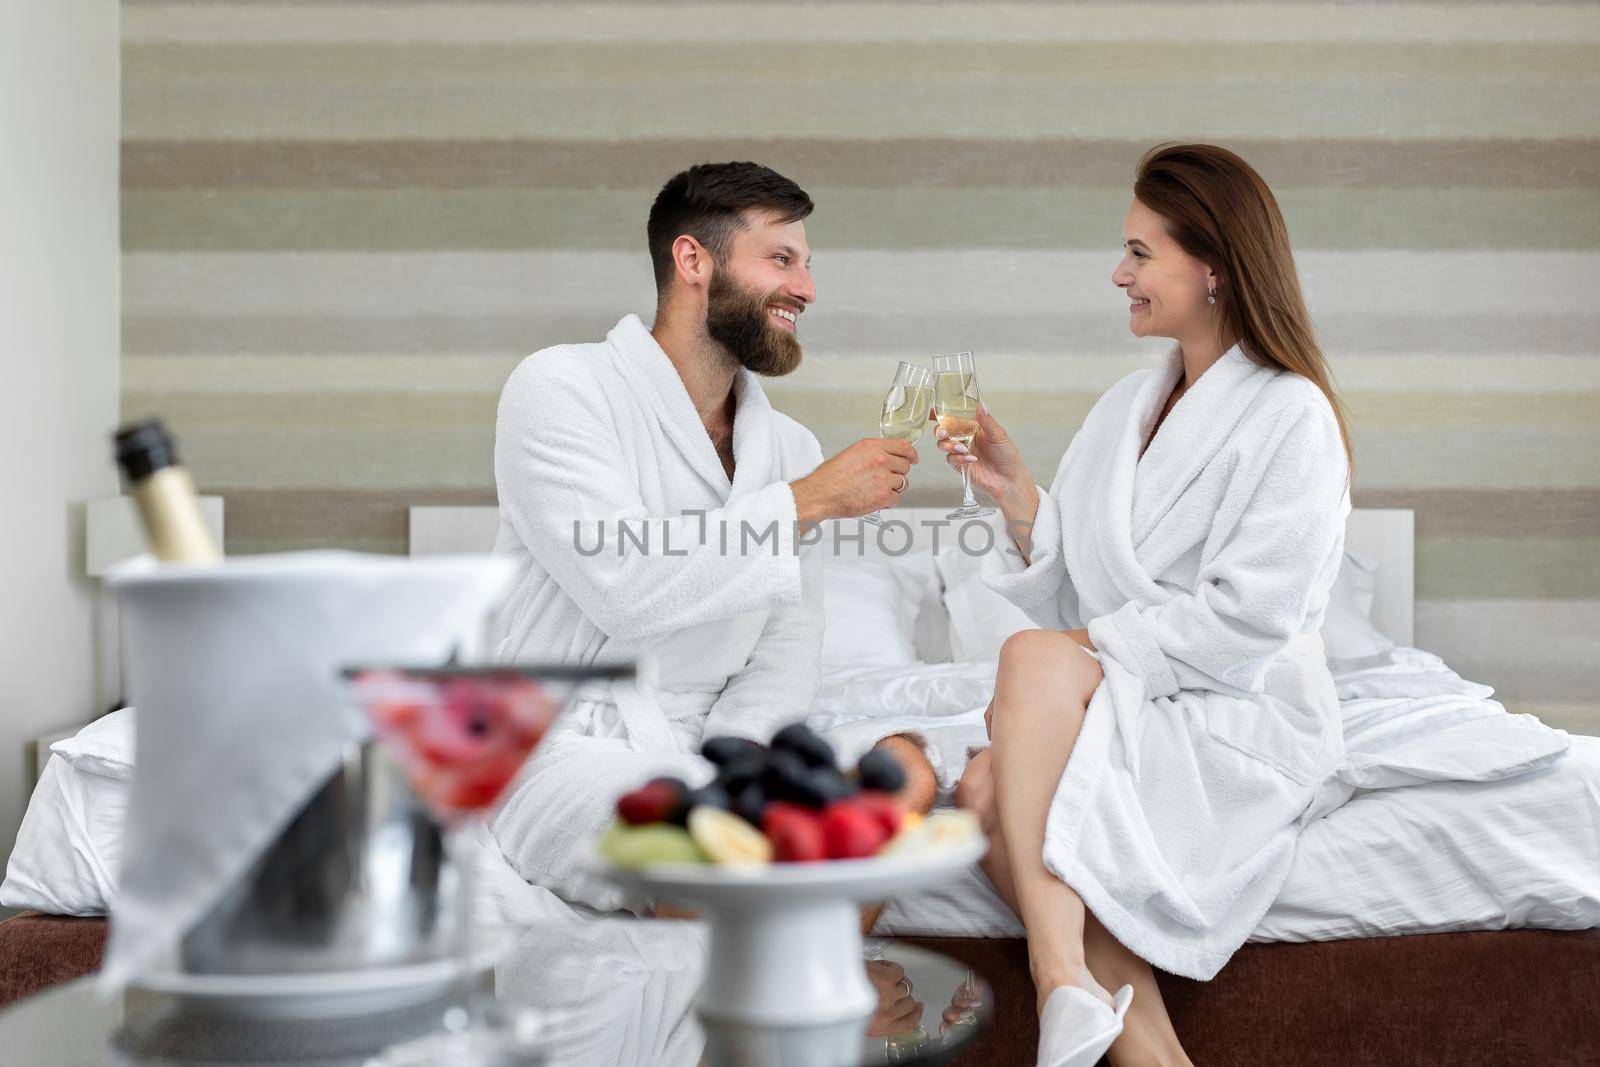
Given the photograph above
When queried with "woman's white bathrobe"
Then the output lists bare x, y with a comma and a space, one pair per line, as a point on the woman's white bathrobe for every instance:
1202, 572
703, 580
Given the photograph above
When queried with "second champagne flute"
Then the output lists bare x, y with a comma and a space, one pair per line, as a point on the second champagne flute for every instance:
905, 410
955, 402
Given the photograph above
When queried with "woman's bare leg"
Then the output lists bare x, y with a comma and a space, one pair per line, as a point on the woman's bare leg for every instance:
1148, 1037
1042, 687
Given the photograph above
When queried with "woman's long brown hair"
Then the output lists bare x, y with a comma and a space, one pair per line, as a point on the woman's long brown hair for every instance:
1220, 211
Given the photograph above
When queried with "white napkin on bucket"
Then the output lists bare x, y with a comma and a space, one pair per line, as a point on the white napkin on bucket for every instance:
243, 714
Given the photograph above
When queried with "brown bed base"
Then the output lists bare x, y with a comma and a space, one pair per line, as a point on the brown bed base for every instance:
1508, 997
1481, 998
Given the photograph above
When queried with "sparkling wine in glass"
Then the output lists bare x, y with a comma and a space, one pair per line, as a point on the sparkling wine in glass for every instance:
955, 402
460, 735
905, 410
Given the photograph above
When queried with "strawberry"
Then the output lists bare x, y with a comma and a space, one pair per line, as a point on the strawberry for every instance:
883, 807
851, 831
795, 832
653, 802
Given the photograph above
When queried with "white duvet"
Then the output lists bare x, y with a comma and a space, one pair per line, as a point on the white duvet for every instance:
1447, 812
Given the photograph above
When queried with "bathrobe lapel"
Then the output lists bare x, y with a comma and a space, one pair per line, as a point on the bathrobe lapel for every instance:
1140, 492
1200, 423
755, 452
652, 375
755, 445
756, 464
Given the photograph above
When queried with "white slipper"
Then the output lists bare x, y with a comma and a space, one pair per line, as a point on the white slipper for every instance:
1077, 1027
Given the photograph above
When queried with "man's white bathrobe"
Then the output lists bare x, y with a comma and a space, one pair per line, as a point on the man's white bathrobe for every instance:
1202, 572
703, 579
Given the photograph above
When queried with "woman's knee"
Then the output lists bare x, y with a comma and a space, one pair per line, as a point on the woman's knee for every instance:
1049, 657
1025, 647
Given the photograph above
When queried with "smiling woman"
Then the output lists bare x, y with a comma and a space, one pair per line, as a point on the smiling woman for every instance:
1208, 263
1179, 567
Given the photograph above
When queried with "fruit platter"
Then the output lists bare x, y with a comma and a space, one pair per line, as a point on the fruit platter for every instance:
777, 805
778, 852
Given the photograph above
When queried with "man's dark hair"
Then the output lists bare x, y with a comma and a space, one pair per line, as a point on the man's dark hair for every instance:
705, 202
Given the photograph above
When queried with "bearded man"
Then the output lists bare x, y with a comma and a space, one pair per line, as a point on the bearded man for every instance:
659, 509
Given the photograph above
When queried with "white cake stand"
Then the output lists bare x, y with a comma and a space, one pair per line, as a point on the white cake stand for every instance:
786, 972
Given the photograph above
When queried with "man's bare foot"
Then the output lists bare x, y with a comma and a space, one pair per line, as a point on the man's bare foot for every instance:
922, 785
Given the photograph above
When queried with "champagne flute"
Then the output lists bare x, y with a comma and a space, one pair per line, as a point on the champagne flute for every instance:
461, 734
905, 410
955, 402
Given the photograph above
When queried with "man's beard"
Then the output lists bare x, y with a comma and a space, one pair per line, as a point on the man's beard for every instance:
738, 320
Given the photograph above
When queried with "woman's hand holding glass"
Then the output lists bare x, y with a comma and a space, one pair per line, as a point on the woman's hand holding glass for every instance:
995, 466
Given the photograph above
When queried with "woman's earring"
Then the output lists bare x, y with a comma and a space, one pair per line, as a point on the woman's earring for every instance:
1211, 296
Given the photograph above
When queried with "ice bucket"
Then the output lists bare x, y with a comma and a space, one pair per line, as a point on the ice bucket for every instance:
359, 878
266, 834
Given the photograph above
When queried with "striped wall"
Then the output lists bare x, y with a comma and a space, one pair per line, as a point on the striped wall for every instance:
344, 224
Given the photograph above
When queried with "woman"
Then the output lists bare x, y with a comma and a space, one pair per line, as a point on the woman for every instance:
1156, 744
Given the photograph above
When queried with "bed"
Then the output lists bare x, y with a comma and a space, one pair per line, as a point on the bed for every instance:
1429, 918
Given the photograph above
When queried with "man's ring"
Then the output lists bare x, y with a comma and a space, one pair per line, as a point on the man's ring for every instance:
904, 481
907, 983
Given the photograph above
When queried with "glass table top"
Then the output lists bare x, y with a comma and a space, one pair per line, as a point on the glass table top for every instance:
611, 993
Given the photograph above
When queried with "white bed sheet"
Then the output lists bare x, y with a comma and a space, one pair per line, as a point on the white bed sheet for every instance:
1431, 858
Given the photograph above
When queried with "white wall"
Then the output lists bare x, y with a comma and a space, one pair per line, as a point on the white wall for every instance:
60, 311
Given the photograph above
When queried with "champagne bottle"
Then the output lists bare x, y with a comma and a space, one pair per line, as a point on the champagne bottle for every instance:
164, 491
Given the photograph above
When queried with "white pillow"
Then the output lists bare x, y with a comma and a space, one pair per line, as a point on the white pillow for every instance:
69, 846
1347, 631
104, 747
980, 621
1414, 720
1445, 739
869, 610
980, 618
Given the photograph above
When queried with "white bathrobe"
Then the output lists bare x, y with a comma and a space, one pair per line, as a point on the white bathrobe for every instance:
723, 601
1202, 572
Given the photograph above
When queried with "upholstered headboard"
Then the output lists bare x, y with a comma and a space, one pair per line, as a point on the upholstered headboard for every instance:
1384, 533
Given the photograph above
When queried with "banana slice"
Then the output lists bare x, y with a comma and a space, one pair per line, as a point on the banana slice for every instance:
942, 829
728, 839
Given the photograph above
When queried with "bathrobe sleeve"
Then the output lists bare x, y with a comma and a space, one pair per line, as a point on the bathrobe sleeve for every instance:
780, 679
1268, 560
562, 465
1041, 587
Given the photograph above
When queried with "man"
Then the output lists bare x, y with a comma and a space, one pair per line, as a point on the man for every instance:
653, 502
